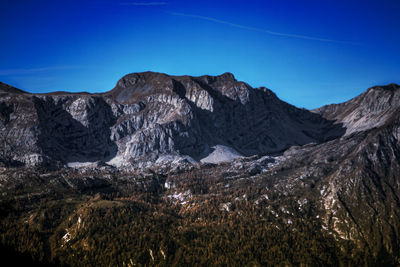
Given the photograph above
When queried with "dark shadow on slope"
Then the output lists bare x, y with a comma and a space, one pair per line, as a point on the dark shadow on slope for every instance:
264, 125
5, 111
66, 139
178, 88
8, 146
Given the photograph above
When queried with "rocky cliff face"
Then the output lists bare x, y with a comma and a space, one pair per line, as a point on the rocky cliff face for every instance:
369, 110
355, 178
152, 116
330, 179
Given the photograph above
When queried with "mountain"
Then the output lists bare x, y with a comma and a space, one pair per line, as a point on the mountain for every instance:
371, 109
356, 177
153, 116
179, 170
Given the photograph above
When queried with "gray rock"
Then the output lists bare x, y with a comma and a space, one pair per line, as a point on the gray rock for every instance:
151, 115
369, 110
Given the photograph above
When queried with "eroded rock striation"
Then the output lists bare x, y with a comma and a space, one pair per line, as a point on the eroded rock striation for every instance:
326, 182
151, 116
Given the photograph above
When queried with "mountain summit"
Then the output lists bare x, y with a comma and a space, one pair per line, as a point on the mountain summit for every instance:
151, 117
130, 177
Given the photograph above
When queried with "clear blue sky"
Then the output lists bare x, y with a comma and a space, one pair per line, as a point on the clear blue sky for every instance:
309, 52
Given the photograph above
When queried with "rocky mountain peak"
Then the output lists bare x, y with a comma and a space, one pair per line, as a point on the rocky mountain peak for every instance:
227, 76
7, 89
389, 87
203, 151
153, 117
368, 110
135, 86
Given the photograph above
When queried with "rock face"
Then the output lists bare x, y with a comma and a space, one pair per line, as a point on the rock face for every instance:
355, 178
369, 110
151, 115
331, 175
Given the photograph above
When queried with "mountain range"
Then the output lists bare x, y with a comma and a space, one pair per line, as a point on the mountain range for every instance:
201, 152
152, 116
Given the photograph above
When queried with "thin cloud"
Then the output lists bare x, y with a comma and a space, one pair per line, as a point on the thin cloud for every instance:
291, 35
6, 72
144, 3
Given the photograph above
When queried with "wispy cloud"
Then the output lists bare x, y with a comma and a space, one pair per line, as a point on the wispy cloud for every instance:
291, 35
144, 3
24, 71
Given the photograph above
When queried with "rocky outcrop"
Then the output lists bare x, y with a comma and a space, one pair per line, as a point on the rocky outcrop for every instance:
151, 114
354, 180
369, 110
330, 175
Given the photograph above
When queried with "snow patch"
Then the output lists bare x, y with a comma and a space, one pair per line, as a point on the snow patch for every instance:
117, 161
79, 164
221, 153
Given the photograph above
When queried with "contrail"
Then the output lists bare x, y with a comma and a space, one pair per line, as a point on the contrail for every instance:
261, 30
144, 3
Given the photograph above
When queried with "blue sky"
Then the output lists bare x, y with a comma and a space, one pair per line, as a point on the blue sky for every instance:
309, 52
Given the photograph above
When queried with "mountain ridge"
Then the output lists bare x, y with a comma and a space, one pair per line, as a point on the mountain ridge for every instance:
148, 115
367, 110
177, 166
